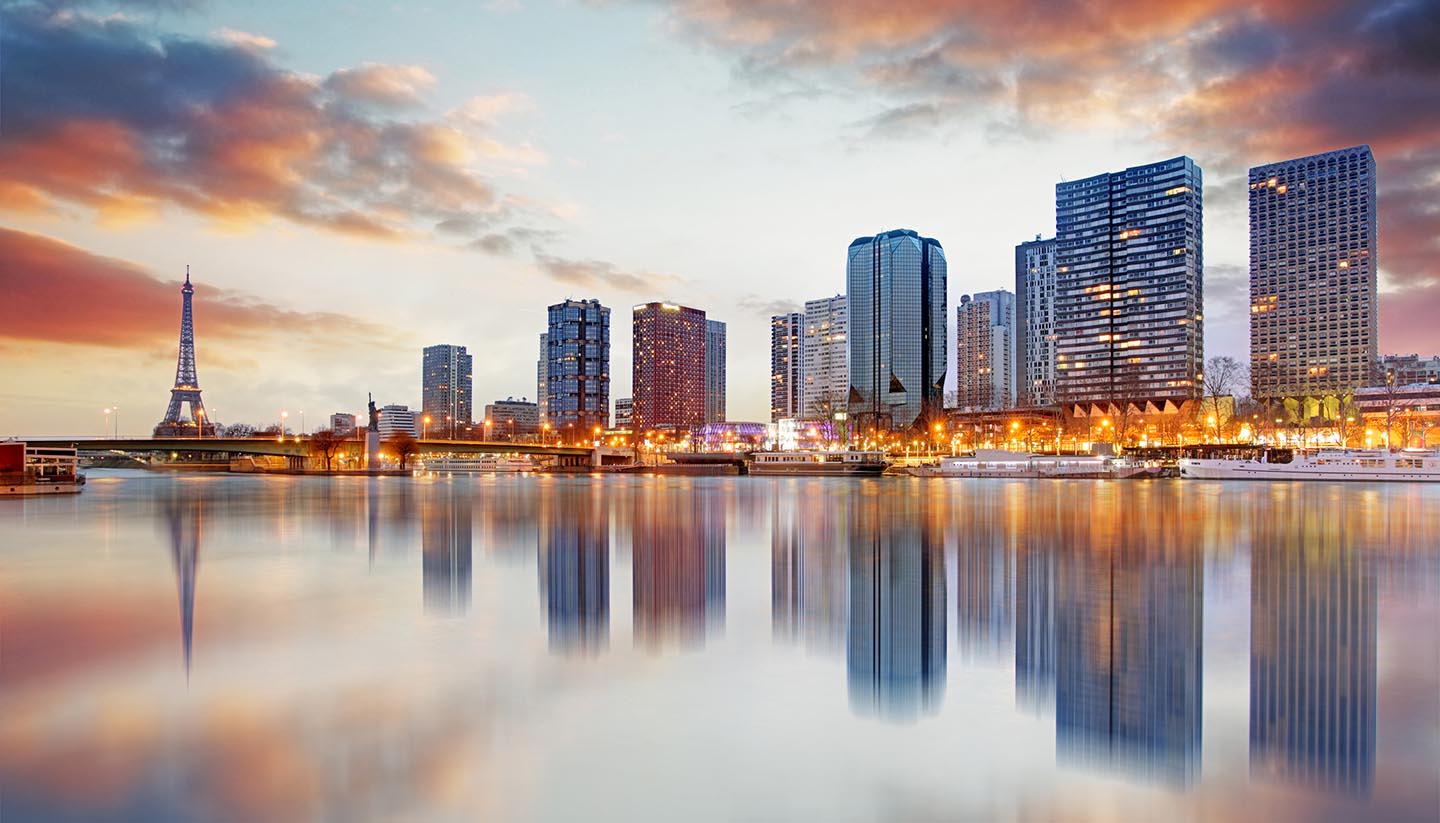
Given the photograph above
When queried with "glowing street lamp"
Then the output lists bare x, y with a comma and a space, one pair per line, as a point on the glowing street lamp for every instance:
200, 422
425, 427
488, 424
106, 432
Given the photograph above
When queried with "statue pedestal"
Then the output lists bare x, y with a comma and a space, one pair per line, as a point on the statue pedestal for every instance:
372, 449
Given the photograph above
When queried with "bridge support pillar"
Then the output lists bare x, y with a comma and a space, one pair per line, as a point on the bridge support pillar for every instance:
294, 463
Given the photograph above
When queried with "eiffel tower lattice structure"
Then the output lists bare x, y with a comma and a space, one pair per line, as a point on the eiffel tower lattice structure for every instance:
187, 385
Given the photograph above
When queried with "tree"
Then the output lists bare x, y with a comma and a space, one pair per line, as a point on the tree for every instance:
239, 430
404, 446
1392, 398
326, 442
1223, 375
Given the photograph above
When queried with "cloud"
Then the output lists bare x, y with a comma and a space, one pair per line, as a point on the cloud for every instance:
58, 293
600, 274
102, 114
755, 304
1234, 83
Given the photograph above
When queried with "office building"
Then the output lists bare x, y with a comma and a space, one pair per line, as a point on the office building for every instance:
578, 379
1129, 288
624, 413
985, 351
542, 378
897, 329
714, 371
395, 419
1035, 322
1313, 304
826, 354
669, 366
1408, 370
786, 332
342, 423
446, 386
509, 419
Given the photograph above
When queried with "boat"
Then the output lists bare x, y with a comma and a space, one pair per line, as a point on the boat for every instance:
818, 463
998, 463
484, 464
1409, 465
33, 470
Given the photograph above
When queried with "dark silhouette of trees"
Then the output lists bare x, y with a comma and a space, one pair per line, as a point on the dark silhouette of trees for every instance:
404, 446
326, 443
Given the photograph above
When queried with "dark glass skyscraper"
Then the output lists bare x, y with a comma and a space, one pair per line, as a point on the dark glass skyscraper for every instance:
1313, 302
786, 332
896, 295
446, 393
1130, 287
578, 383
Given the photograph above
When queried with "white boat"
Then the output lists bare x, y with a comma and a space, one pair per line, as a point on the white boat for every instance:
33, 470
1000, 463
484, 464
818, 463
1409, 465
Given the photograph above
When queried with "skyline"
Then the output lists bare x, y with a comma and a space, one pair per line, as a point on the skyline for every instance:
481, 183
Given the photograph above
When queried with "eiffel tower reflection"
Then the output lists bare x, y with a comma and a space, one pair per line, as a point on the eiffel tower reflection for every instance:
184, 516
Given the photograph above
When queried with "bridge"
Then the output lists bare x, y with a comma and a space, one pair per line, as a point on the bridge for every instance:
296, 448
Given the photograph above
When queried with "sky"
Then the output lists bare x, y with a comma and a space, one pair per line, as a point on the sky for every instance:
351, 181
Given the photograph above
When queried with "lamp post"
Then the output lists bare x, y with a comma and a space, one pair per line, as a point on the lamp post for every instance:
284, 415
425, 427
200, 423
302, 422
545, 433
106, 431
116, 409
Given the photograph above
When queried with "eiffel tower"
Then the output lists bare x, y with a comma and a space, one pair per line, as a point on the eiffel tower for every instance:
187, 386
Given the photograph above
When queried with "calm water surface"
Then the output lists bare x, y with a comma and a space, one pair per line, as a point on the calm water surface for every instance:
626, 648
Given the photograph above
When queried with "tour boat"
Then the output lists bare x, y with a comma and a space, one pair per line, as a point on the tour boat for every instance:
1410, 465
33, 470
818, 463
479, 465
998, 463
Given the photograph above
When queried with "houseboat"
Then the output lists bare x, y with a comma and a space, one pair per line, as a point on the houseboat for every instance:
1410, 465
32, 470
818, 463
998, 463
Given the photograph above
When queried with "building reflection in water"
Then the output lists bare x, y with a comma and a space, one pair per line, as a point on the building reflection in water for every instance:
1312, 647
807, 570
1128, 626
445, 513
895, 643
574, 567
184, 514
983, 539
1035, 606
678, 565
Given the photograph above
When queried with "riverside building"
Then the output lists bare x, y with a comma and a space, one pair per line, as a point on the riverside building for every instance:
1035, 322
786, 332
669, 366
985, 351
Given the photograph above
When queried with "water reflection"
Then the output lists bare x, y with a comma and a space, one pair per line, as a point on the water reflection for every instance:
1312, 649
895, 643
574, 567
808, 572
1128, 626
445, 513
678, 567
184, 517
983, 540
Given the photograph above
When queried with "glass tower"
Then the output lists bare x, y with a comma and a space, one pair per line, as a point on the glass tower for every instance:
896, 293
446, 392
578, 379
1129, 287
714, 371
1313, 323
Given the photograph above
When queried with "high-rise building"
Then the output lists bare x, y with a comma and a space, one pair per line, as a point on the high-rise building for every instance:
624, 413
395, 419
985, 351
446, 386
509, 419
1035, 322
786, 332
825, 349
714, 371
1130, 287
542, 377
1313, 306
669, 366
578, 379
896, 299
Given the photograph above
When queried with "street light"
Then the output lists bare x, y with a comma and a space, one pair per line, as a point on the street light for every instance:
302, 421
425, 427
545, 433
200, 422
106, 432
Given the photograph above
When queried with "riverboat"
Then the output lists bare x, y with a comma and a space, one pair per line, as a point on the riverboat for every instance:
998, 463
1410, 465
34, 470
818, 463
485, 464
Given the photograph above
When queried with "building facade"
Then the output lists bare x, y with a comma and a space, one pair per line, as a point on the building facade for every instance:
1129, 290
510, 418
624, 413
714, 371
395, 419
825, 349
985, 351
578, 378
669, 366
342, 423
1035, 323
446, 394
786, 373
1409, 370
1313, 303
897, 329
542, 377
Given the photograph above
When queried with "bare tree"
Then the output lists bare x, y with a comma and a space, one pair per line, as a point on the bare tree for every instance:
1223, 375
404, 446
238, 430
326, 443
1393, 399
